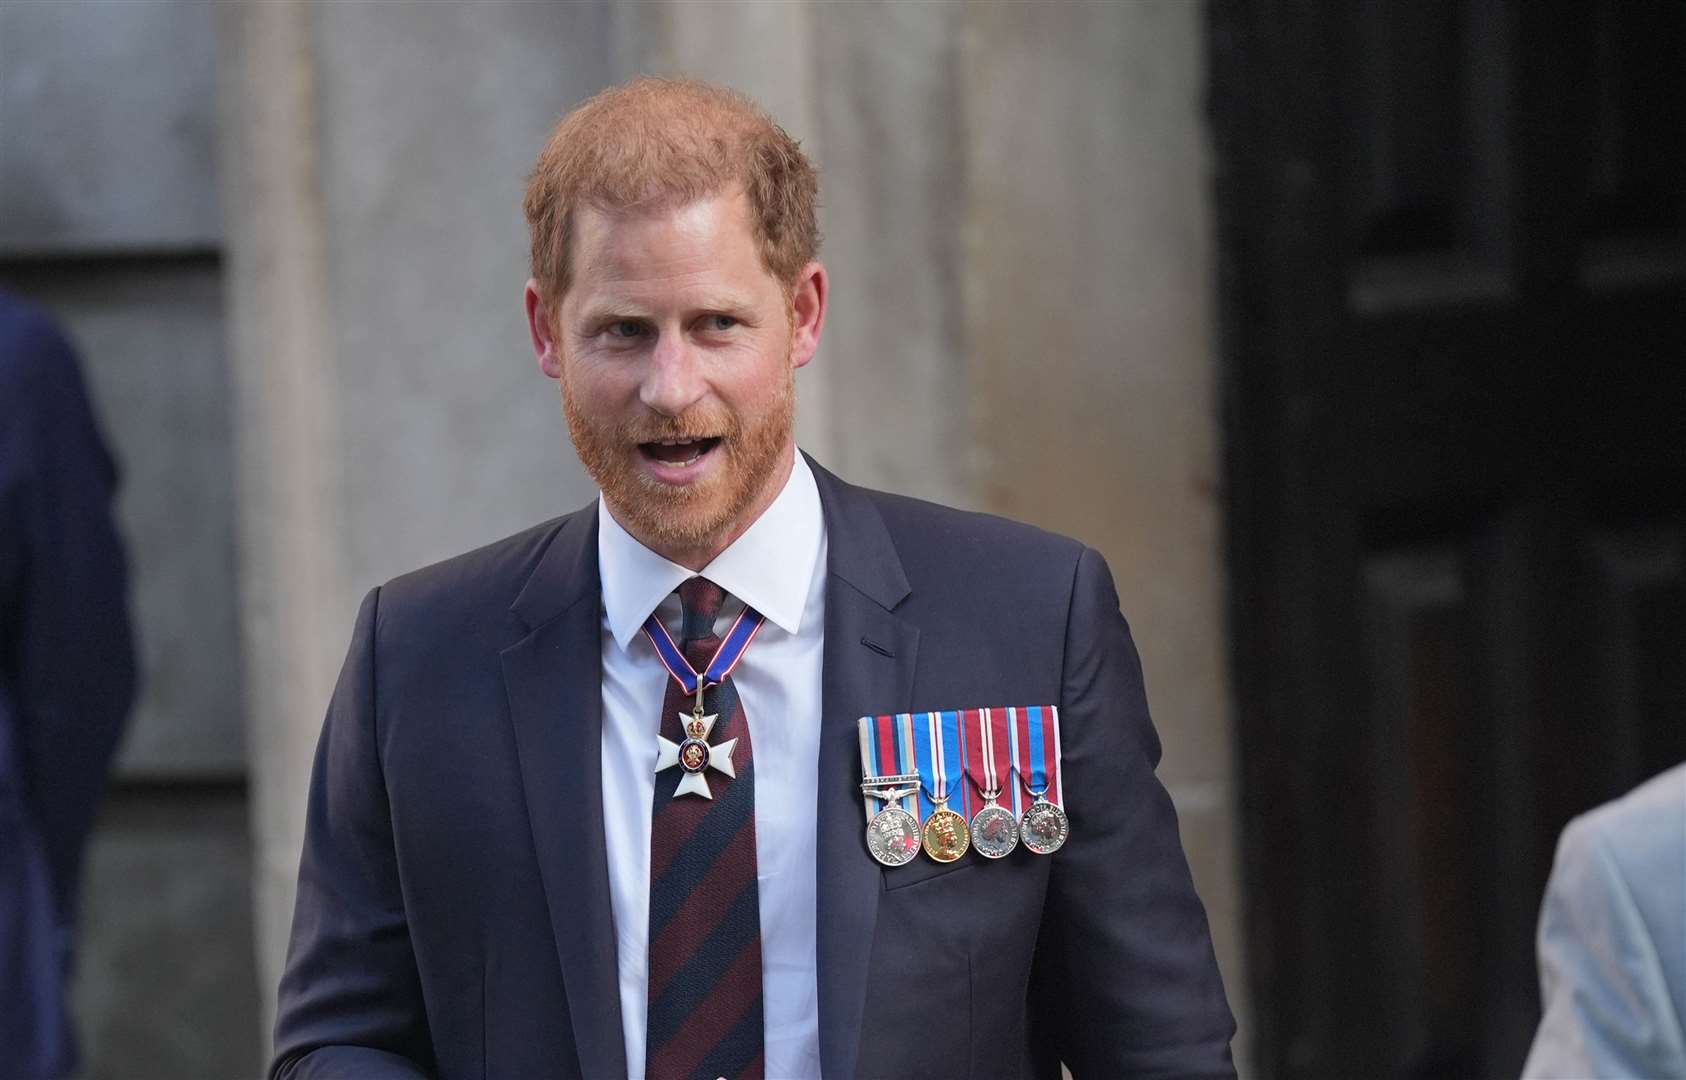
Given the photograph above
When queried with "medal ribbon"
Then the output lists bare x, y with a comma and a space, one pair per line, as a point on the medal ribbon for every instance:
1036, 750
887, 750
726, 657
986, 747
940, 761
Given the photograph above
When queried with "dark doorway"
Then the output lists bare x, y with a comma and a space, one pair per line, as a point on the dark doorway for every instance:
1452, 249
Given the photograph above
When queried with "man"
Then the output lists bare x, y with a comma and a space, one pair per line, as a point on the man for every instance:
532, 850
1612, 941
66, 674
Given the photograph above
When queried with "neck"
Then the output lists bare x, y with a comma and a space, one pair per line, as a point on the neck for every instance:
695, 555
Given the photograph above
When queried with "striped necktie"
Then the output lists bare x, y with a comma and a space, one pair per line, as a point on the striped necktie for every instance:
705, 1017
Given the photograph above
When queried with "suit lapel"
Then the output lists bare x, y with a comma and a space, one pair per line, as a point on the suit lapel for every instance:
865, 583
553, 677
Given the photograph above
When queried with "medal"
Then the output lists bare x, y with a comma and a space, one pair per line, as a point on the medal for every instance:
945, 835
887, 762
694, 756
984, 745
940, 765
1043, 826
994, 832
892, 836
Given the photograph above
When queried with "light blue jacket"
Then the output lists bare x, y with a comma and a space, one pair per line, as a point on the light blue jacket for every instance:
1612, 941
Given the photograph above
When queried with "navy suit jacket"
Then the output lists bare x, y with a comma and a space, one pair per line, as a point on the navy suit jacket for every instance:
66, 673
453, 913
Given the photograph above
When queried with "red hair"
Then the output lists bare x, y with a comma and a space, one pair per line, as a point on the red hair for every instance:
658, 143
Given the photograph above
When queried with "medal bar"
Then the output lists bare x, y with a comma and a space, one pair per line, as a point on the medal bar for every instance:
985, 778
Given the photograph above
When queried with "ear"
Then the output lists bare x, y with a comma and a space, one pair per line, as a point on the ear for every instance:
808, 313
543, 332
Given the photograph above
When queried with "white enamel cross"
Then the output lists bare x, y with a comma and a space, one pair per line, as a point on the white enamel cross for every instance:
694, 755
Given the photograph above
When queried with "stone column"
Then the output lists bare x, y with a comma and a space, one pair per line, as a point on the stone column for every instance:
388, 411
292, 575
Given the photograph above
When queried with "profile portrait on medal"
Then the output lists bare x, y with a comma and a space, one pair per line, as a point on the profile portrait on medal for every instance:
716, 771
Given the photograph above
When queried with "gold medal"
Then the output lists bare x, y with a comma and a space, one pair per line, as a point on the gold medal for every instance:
945, 835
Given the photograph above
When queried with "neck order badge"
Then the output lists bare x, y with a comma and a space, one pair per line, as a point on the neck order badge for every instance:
1001, 766
695, 755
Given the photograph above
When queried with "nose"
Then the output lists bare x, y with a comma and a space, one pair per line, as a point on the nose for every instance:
672, 381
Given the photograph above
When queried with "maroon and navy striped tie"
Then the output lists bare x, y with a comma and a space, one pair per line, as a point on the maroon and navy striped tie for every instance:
705, 1016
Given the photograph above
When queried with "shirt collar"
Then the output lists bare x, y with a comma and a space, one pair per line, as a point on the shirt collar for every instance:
769, 567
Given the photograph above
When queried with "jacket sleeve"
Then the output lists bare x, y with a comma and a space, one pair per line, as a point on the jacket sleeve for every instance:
350, 1000
1607, 1009
1125, 975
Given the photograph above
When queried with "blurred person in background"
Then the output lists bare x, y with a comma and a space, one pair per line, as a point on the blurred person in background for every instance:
67, 674
1612, 941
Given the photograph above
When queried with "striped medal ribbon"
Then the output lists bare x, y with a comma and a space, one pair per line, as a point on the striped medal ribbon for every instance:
890, 777
986, 748
1036, 762
937, 745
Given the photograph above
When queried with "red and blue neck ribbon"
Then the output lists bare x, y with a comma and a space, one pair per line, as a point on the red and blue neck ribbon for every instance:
726, 657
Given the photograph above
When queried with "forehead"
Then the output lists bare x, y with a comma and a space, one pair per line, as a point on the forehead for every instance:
644, 254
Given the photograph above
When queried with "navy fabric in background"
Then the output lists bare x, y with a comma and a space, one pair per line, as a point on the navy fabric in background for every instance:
67, 673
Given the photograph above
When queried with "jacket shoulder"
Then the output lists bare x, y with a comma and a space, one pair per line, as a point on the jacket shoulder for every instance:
945, 541
1640, 831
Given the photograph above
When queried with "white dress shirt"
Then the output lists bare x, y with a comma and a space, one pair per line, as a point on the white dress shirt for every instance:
777, 567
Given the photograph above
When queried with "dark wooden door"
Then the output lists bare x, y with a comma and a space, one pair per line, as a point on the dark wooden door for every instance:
1452, 242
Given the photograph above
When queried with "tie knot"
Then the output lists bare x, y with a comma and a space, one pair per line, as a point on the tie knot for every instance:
699, 603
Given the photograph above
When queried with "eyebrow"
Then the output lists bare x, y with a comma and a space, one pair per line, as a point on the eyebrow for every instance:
613, 307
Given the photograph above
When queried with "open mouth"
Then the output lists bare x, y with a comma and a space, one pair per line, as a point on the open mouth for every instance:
679, 452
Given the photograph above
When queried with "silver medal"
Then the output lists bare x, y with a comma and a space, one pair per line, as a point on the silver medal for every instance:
994, 832
1044, 827
892, 836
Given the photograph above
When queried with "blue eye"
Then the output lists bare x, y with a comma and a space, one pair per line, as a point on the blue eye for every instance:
626, 328
721, 322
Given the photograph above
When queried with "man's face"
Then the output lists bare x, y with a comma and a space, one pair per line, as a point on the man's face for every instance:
674, 347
